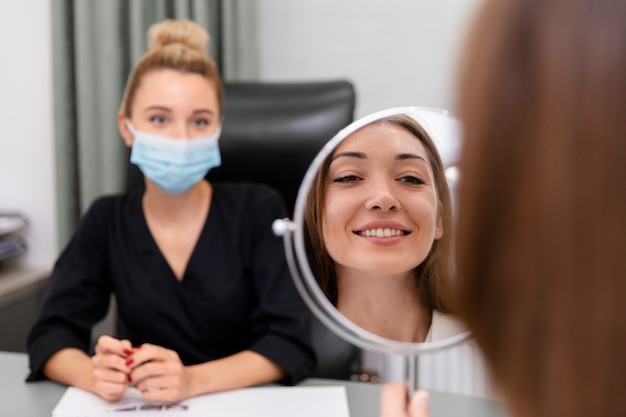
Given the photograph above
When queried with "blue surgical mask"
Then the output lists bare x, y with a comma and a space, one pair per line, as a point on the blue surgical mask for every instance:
175, 165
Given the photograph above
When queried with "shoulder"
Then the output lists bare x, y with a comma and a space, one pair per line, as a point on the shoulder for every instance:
107, 209
113, 202
248, 197
106, 203
444, 326
245, 191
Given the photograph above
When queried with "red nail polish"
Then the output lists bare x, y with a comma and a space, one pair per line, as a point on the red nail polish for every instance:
127, 352
136, 347
130, 362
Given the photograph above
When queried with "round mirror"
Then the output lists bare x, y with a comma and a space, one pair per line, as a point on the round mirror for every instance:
370, 244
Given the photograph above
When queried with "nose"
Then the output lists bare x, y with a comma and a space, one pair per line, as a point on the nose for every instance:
182, 131
382, 197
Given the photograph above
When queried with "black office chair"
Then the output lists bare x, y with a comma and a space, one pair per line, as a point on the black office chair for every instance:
271, 133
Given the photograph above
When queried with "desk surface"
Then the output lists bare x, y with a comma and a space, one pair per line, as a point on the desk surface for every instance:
15, 283
37, 399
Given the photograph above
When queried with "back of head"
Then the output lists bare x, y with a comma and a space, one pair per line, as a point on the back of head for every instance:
179, 45
542, 198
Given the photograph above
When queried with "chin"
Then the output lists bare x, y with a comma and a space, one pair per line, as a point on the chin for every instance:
388, 268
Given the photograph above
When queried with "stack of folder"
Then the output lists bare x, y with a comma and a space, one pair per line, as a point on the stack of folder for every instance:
12, 242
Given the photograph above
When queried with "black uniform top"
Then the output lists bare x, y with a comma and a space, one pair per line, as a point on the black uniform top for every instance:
236, 293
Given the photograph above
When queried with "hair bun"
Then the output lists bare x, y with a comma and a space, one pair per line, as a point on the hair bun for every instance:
184, 32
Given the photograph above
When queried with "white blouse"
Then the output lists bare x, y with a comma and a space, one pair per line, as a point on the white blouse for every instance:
460, 369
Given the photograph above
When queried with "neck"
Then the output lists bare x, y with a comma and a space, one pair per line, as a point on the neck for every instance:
167, 208
386, 305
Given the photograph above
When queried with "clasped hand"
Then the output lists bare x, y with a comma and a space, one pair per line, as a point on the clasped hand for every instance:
156, 371
395, 401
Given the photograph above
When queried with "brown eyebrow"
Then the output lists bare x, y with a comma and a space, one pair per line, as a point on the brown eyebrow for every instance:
358, 155
403, 156
361, 155
167, 109
161, 108
203, 111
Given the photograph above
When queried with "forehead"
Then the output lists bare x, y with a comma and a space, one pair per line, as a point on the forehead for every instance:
168, 86
383, 139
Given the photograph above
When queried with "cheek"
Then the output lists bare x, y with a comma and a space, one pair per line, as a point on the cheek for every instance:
423, 211
337, 209
336, 217
331, 238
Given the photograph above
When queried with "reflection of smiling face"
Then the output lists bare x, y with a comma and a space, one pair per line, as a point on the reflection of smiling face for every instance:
381, 206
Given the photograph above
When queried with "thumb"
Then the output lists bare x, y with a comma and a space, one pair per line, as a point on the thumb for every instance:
418, 406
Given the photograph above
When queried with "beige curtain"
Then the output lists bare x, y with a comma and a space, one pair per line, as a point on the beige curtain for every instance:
95, 43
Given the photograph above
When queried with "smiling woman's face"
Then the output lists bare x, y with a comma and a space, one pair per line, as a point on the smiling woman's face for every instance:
381, 211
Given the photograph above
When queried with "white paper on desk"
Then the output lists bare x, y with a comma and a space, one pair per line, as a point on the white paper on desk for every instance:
323, 401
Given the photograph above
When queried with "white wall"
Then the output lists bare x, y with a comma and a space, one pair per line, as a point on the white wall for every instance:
27, 180
397, 52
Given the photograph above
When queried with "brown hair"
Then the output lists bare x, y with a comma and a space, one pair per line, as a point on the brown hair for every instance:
180, 45
542, 202
434, 275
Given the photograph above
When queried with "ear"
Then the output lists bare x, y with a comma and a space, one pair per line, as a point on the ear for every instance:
127, 135
439, 226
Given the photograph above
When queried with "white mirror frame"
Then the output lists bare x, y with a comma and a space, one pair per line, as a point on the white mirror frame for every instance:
293, 237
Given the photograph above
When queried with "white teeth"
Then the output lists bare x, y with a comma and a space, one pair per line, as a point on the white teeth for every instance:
380, 232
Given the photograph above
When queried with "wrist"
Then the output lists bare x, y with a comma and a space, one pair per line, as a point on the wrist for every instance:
198, 379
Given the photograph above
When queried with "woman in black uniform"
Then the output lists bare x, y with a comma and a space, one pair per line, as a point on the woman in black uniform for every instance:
200, 281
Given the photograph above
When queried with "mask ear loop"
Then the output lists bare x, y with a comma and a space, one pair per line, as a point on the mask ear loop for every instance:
130, 126
218, 132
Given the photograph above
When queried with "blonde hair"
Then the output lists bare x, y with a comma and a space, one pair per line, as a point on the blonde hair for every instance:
179, 45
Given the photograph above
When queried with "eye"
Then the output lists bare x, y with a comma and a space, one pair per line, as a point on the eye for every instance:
347, 178
200, 122
159, 120
412, 179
